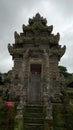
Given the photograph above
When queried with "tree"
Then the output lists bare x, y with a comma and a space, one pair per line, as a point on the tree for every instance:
67, 75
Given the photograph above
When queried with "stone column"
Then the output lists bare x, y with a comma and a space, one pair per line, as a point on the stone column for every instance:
26, 71
47, 93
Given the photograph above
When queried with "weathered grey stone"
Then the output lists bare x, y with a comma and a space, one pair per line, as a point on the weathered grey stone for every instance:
37, 45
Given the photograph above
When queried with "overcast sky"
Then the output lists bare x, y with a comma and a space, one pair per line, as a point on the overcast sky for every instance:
15, 13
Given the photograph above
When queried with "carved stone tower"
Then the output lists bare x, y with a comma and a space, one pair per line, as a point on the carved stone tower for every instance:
35, 75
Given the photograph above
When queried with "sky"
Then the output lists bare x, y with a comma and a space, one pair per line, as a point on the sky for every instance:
15, 13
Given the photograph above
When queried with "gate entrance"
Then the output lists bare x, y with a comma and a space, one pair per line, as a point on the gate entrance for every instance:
34, 87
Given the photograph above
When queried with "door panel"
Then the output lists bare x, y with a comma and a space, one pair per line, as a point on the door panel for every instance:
34, 88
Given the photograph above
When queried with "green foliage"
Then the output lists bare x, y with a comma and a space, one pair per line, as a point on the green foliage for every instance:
69, 116
70, 95
63, 70
58, 117
1, 82
63, 119
4, 117
6, 78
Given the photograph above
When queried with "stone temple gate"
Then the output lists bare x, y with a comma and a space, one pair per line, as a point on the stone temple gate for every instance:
35, 75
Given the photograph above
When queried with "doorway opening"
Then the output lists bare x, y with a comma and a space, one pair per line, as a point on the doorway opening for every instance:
34, 87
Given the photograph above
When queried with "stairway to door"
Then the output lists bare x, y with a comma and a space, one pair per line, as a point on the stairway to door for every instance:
33, 117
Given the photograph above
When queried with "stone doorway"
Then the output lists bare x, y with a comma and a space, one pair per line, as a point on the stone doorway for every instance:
34, 85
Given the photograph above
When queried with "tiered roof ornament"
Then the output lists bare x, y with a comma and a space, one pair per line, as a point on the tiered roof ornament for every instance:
38, 23
37, 27
38, 18
37, 33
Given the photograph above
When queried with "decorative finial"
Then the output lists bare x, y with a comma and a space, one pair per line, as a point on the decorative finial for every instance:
37, 18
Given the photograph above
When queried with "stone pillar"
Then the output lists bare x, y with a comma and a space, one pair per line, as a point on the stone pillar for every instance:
47, 93
19, 123
48, 125
26, 75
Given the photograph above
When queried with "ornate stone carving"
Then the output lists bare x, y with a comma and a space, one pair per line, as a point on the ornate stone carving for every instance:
16, 36
37, 43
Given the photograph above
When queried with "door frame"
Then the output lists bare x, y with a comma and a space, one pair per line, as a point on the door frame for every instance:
41, 91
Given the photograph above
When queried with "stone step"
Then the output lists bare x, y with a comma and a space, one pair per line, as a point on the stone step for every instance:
33, 117
31, 114
33, 120
33, 126
34, 109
